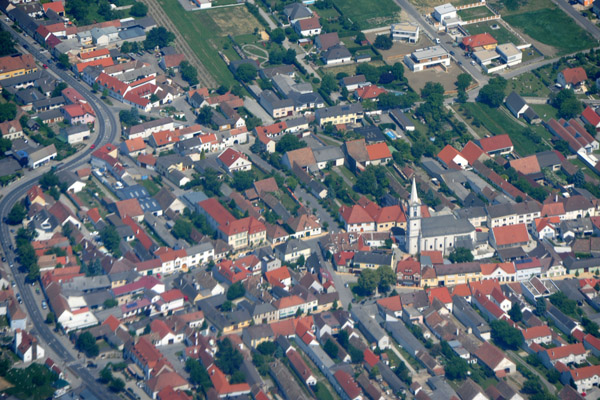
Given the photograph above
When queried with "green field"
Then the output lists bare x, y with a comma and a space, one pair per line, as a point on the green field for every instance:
545, 111
498, 122
369, 13
527, 85
502, 35
563, 33
474, 13
206, 30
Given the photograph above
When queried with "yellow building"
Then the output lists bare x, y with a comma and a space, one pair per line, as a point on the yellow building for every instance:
15, 66
455, 274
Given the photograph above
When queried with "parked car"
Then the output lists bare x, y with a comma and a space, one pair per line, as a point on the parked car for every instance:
44, 305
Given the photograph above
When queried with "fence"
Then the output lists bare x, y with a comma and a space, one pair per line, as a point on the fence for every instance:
472, 5
483, 19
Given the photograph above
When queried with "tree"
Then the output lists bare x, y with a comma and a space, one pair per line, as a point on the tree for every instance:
236, 291
331, 348
243, 180
329, 84
182, 229
198, 374
370, 72
8, 111
387, 278
86, 343
64, 62
492, 94
540, 307
564, 304
117, 385
383, 42
356, 355
129, 117
360, 37
139, 9
111, 239
158, 37
277, 36
5, 145
57, 91
590, 326
567, 103
228, 358
267, 348
17, 214
403, 373
288, 143
463, 81
368, 281
246, 73
7, 44
205, 115
505, 336
106, 374
456, 369
50, 318
398, 71
515, 312
460, 255
227, 306
110, 303
188, 72
373, 180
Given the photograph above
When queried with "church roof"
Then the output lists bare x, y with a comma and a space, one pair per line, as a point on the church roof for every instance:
445, 225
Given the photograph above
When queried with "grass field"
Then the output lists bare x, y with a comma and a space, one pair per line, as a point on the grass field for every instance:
204, 31
545, 111
475, 12
528, 85
502, 35
369, 13
563, 33
497, 122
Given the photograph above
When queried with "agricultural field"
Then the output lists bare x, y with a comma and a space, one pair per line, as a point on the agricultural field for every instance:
206, 32
498, 121
501, 34
369, 13
531, 18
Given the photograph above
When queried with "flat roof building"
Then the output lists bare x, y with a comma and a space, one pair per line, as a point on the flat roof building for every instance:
427, 57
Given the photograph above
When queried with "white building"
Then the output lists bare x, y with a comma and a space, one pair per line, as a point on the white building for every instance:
427, 58
443, 12
41, 156
405, 31
509, 53
27, 347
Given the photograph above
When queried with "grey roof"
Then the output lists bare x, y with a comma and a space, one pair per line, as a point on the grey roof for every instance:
469, 390
372, 257
372, 134
291, 246
42, 153
53, 101
20, 79
294, 122
401, 118
526, 207
275, 102
81, 284
192, 198
336, 52
339, 110
150, 124
132, 33
270, 72
459, 268
328, 153
9, 166
547, 159
132, 192
570, 287
310, 100
530, 114
561, 317
297, 11
471, 212
443, 225
515, 102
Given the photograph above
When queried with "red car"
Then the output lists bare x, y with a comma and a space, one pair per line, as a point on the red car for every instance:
45, 66
93, 146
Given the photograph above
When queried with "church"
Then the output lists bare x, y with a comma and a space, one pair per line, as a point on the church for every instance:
441, 232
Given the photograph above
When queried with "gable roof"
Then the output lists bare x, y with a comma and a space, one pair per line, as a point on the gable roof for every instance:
378, 151
479, 40
510, 234
495, 143
574, 76
526, 165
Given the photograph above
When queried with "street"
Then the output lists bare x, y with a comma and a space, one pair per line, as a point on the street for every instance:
108, 129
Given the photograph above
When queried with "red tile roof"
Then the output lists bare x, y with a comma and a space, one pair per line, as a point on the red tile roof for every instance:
561, 352
447, 155
495, 143
471, 152
378, 151
575, 75
129, 207
222, 385
172, 295
591, 116
510, 234
135, 144
392, 303
276, 276
309, 24
95, 53
355, 214
526, 165
104, 62
536, 332
370, 358
440, 293
213, 208
369, 92
348, 384
56, 6
479, 40
230, 156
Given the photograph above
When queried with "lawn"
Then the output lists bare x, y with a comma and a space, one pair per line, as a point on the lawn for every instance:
545, 111
498, 122
474, 13
369, 13
502, 35
563, 33
151, 186
321, 392
528, 85
204, 31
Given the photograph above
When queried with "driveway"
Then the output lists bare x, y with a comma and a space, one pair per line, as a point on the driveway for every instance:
252, 105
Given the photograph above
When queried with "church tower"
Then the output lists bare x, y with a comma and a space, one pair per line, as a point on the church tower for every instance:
413, 234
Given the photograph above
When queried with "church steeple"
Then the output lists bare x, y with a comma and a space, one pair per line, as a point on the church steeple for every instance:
413, 232
414, 196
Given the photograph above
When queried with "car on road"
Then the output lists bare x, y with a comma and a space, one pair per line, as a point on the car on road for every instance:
45, 66
25, 46
92, 365
19, 299
13, 284
44, 305
93, 146
3, 259
451, 52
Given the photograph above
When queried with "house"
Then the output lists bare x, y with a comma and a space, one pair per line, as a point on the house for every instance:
368, 92
300, 367
11, 130
340, 114
567, 354
26, 346
589, 116
405, 31
370, 328
510, 54
469, 390
494, 359
327, 40
444, 12
496, 145
276, 107
402, 120
452, 158
516, 104
336, 54
297, 11
584, 378
349, 387
351, 83
307, 27
11, 66
482, 41
234, 161
222, 386
75, 134
41, 156
509, 236
572, 78
426, 58
292, 250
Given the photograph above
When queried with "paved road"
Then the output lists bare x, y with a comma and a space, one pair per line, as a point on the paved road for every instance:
107, 132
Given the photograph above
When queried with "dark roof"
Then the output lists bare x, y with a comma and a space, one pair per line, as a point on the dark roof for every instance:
372, 134
336, 52
547, 159
515, 102
371, 257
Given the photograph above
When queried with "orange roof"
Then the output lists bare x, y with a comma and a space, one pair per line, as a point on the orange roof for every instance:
479, 40
553, 209
56, 6
370, 358
541, 223
94, 54
287, 302
488, 269
461, 290
485, 287
557, 353
495, 143
536, 332
112, 322
447, 155
104, 62
471, 152
355, 214
575, 75
164, 138
277, 276
272, 129
510, 234
378, 151
582, 373
135, 144
369, 92
129, 207
440, 293
392, 303
172, 295
222, 385
526, 165
94, 214
147, 159
434, 255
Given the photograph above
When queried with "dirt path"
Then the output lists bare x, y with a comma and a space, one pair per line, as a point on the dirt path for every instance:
265, 54
161, 18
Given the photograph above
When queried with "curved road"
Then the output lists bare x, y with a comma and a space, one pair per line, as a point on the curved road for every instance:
107, 132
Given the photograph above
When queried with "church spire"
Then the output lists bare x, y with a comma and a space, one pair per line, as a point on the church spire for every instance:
414, 197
